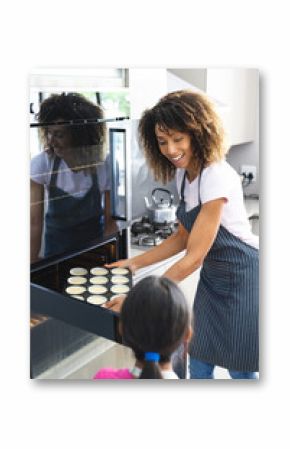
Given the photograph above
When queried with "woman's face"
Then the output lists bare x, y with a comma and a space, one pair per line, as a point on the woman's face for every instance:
59, 139
175, 146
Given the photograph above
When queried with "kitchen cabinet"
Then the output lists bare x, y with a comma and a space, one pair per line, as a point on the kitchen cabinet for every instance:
238, 88
235, 92
147, 86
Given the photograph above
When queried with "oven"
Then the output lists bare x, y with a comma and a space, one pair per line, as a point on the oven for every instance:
90, 226
62, 323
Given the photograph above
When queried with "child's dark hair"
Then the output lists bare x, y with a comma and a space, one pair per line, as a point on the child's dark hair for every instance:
155, 318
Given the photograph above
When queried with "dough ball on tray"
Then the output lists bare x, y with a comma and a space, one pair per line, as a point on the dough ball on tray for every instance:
77, 280
99, 280
97, 299
119, 271
97, 289
78, 271
99, 271
75, 290
120, 288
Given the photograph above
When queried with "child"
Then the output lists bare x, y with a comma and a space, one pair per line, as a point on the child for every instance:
154, 321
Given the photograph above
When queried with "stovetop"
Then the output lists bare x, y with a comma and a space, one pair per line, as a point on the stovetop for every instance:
146, 233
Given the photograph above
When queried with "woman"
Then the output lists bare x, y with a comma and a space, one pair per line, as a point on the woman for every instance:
182, 136
69, 176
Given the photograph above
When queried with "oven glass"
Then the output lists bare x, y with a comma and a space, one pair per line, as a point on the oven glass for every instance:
77, 169
118, 166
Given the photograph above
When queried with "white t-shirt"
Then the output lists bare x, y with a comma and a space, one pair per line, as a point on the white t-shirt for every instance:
75, 183
220, 180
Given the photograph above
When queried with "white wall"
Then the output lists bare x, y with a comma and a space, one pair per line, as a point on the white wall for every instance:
248, 154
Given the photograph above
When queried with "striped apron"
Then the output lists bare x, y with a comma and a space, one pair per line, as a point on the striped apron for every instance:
226, 304
71, 223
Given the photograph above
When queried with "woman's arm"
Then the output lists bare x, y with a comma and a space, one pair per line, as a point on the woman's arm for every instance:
172, 245
200, 240
36, 218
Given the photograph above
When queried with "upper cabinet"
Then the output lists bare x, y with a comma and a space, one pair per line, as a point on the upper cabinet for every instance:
147, 86
235, 93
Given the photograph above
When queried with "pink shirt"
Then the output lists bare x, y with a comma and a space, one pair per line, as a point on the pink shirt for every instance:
110, 373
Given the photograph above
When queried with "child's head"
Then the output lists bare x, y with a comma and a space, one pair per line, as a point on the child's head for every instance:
155, 318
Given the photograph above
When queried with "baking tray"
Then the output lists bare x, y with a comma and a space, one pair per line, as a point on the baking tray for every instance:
92, 281
48, 296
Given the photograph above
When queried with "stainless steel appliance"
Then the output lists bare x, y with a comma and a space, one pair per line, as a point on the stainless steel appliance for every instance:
145, 232
161, 209
59, 324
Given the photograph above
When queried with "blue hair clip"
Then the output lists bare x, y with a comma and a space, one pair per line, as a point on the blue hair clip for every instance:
152, 357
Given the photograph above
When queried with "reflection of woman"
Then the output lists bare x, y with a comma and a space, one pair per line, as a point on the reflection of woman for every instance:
70, 174
182, 136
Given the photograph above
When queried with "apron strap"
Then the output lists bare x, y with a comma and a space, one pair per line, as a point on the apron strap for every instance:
183, 186
54, 172
199, 179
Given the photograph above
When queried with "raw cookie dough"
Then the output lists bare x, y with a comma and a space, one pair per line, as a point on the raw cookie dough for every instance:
120, 289
119, 280
97, 271
97, 289
74, 290
78, 271
120, 271
77, 280
97, 299
99, 280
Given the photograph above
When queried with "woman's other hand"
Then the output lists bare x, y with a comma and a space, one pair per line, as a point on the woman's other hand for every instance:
115, 304
124, 263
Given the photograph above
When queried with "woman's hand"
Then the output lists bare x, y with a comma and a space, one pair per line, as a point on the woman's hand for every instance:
115, 304
124, 263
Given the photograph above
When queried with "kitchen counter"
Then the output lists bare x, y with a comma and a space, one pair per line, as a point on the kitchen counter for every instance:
188, 285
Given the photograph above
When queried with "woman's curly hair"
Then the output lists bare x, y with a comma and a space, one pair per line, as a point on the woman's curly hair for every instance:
187, 112
88, 140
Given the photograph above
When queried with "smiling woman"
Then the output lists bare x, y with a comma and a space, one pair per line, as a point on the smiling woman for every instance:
189, 126
176, 147
182, 136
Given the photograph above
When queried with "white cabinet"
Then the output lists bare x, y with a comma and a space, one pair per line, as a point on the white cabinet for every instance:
147, 86
238, 88
236, 94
